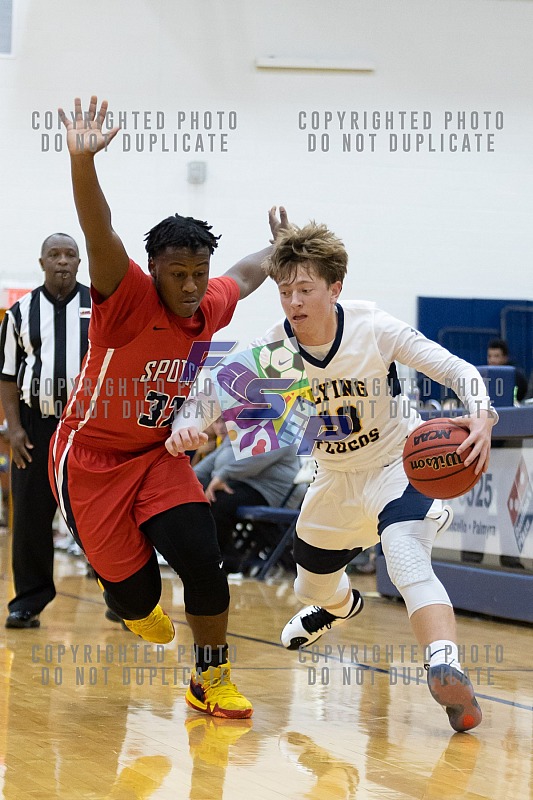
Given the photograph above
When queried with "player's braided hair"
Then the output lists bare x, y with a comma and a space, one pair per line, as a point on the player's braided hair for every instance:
313, 243
178, 231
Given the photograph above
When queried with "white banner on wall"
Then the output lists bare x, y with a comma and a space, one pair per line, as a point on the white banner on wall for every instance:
496, 516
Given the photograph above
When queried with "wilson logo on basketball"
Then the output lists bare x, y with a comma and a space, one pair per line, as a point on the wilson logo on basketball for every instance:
431, 435
431, 462
436, 462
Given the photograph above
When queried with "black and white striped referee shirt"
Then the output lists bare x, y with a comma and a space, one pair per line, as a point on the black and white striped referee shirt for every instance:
42, 344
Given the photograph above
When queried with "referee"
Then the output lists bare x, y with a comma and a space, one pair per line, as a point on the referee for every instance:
43, 340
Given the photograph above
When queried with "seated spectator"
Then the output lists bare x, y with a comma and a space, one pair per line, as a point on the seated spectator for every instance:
261, 480
498, 356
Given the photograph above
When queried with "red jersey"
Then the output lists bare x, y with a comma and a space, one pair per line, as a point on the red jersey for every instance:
130, 383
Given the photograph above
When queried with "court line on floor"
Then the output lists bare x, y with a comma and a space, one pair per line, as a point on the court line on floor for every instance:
278, 645
330, 656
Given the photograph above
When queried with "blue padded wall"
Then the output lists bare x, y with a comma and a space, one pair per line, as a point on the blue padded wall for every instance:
442, 318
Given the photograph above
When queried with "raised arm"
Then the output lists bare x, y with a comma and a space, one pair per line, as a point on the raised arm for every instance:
108, 260
248, 272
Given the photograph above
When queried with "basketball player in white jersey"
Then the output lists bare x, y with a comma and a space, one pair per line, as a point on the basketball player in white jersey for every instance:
361, 494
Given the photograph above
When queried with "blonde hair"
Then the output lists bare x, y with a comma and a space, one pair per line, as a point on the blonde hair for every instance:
313, 243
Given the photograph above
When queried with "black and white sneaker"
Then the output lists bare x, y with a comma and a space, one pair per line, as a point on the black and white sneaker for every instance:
445, 519
309, 624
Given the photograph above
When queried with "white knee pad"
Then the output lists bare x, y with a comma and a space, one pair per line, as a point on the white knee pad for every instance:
407, 548
321, 590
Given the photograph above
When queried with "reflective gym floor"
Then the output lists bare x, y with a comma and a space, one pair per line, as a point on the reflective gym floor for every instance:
88, 711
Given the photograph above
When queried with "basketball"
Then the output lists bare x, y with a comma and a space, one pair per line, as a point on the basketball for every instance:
432, 464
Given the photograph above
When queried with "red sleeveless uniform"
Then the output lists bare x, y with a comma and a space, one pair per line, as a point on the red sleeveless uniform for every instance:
109, 468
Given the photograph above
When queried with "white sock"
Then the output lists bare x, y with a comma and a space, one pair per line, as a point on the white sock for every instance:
344, 610
443, 651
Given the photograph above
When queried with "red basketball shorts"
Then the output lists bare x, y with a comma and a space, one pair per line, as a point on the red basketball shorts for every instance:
105, 496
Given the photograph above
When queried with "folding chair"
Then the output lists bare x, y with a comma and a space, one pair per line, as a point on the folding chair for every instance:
282, 517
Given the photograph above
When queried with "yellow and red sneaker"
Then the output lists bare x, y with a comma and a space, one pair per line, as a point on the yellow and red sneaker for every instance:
215, 694
157, 627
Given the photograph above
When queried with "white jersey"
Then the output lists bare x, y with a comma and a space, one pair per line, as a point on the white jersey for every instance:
358, 377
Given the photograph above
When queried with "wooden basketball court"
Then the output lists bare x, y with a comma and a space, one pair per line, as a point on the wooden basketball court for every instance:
87, 711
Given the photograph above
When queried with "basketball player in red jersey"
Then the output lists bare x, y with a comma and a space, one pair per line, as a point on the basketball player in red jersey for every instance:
120, 491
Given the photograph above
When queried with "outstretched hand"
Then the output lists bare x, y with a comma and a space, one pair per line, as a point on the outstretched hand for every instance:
84, 134
278, 225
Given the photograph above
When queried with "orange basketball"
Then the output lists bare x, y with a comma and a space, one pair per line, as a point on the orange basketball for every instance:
432, 464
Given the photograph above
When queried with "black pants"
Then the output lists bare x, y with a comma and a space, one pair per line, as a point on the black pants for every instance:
34, 507
185, 536
224, 510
